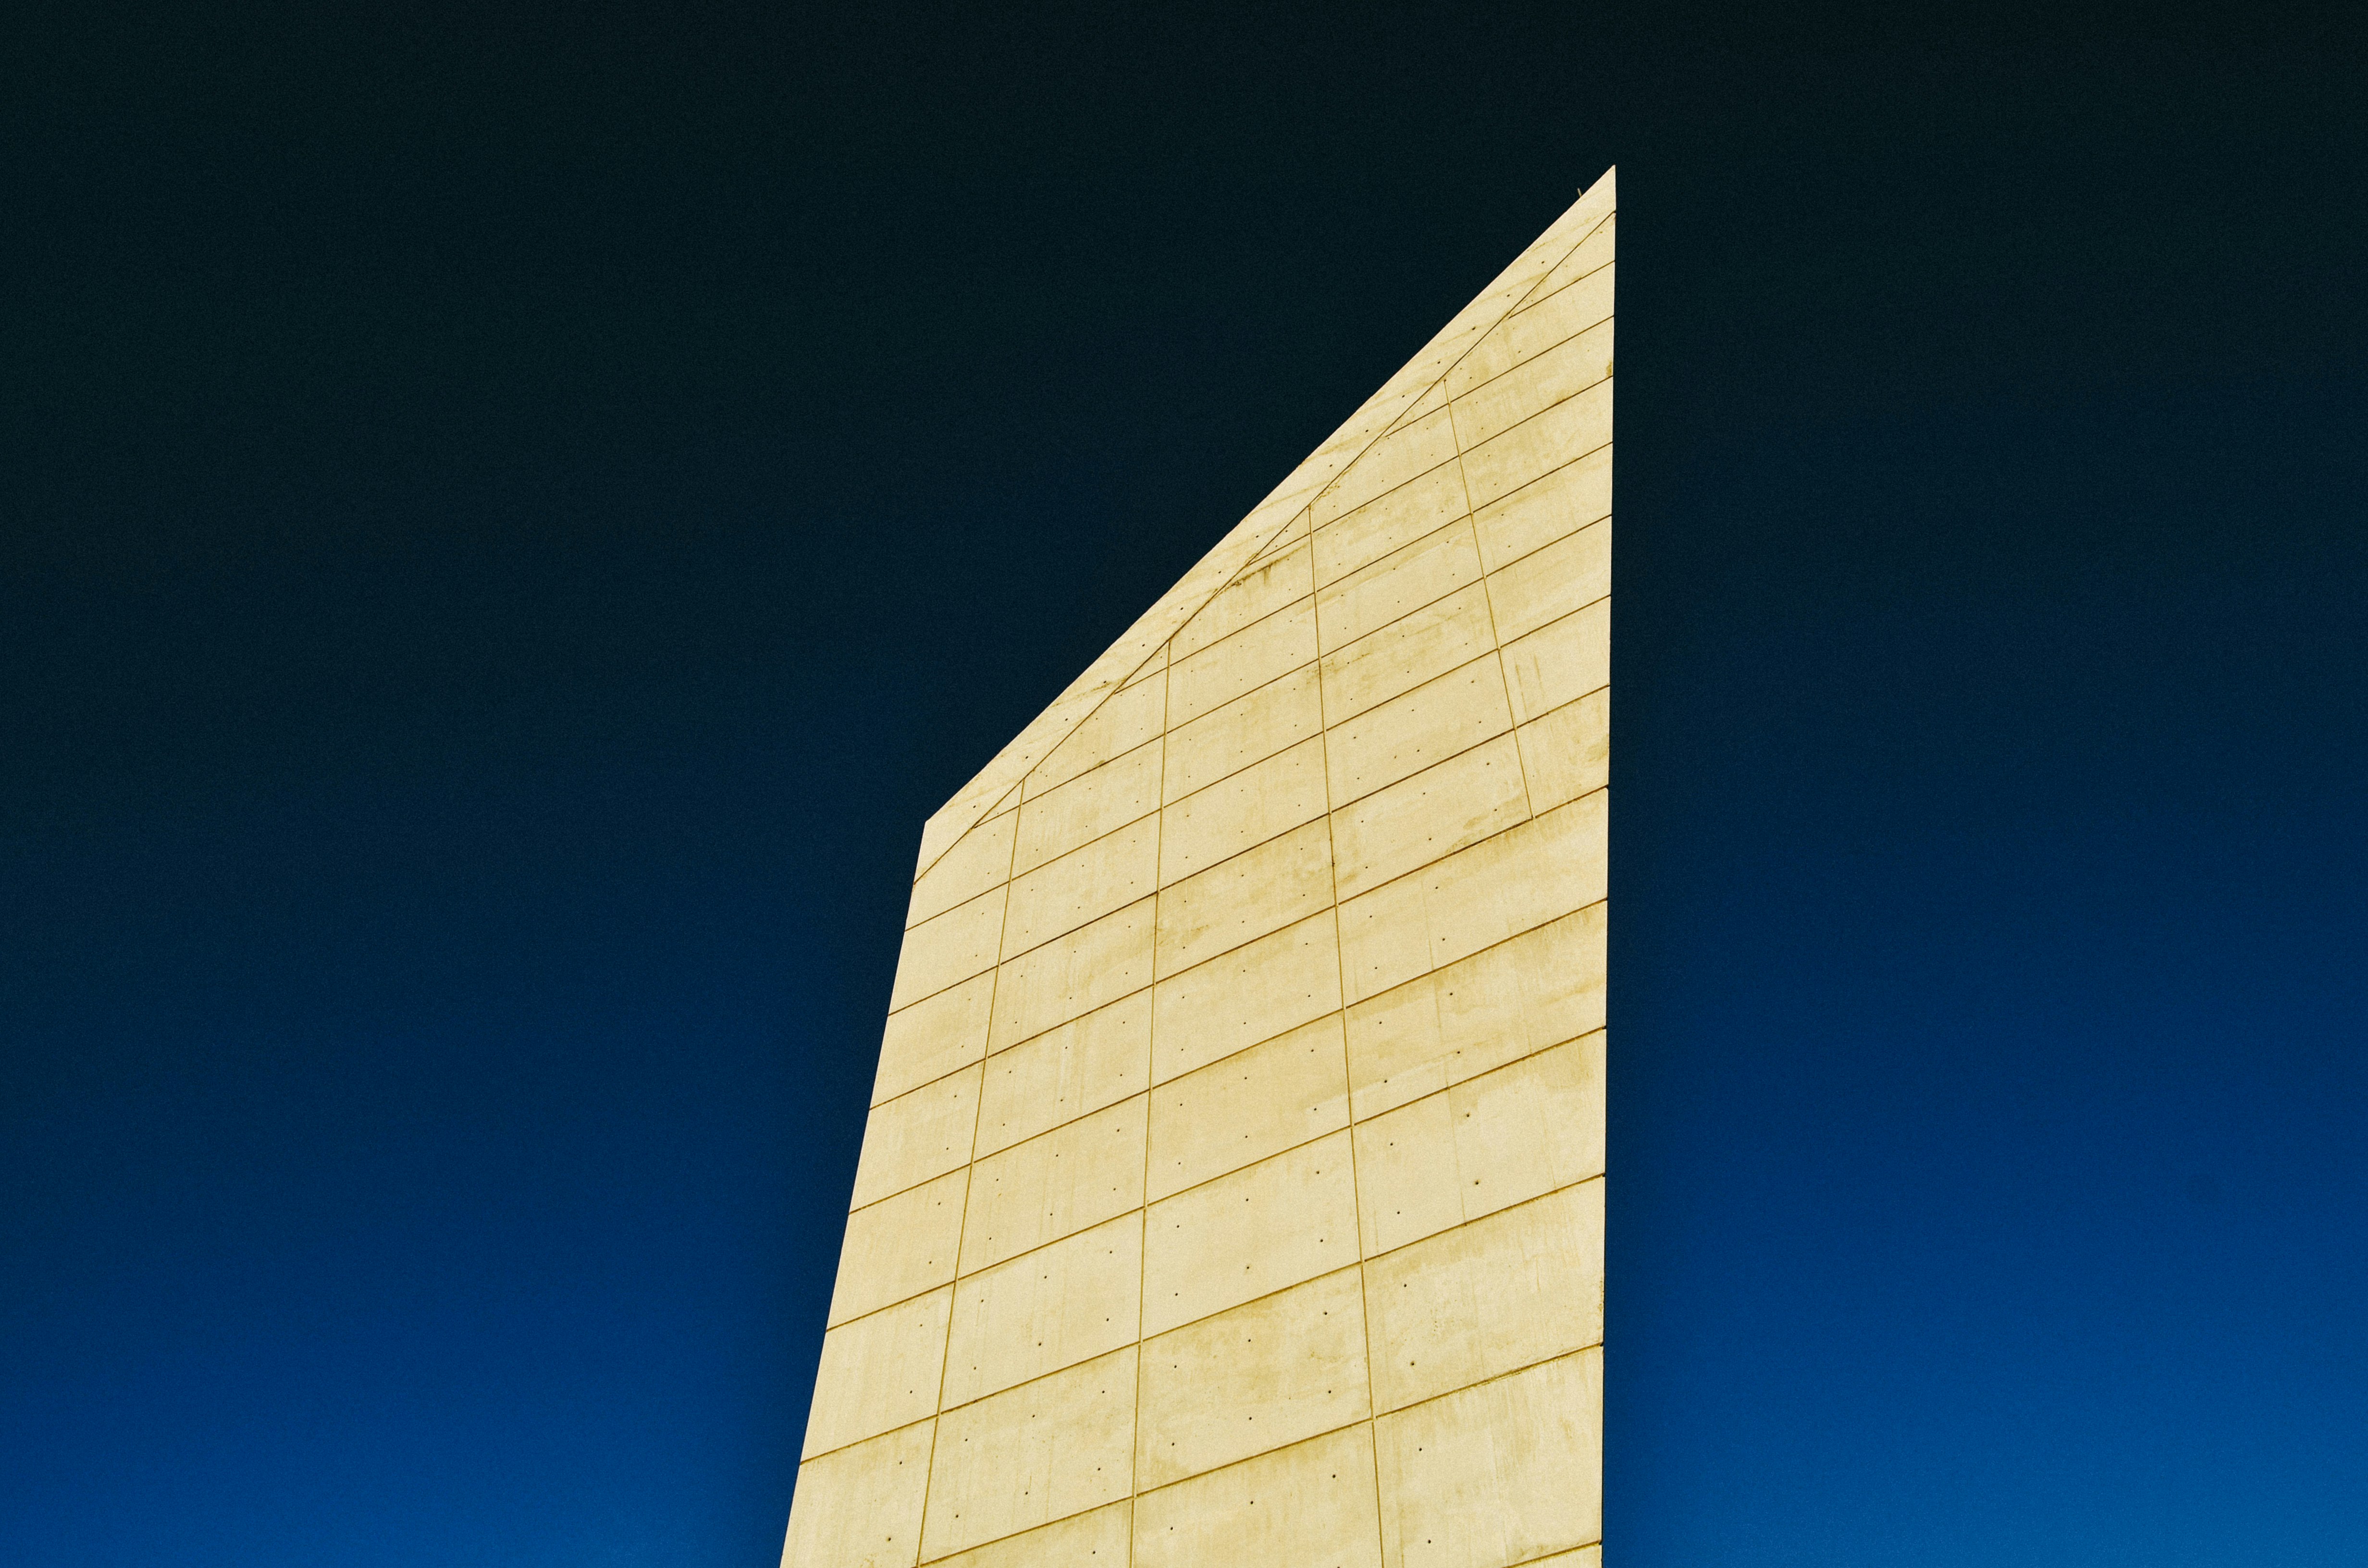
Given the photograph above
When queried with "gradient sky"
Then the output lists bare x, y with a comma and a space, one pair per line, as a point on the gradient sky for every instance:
509, 521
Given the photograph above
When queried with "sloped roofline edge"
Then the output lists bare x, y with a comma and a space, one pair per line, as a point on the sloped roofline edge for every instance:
971, 804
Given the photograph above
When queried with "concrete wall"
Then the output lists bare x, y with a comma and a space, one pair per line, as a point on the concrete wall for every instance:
1233, 1187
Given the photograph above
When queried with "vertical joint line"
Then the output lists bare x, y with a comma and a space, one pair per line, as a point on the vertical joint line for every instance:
1348, 1074
1151, 1057
970, 1167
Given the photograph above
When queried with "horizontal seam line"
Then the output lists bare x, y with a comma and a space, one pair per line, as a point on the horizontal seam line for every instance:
1529, 420
1526, 360
1505, 429
1530, 483
1150, 815
1512, 724
1365, 1420
1316, 527
1569, 1355
995, 1051
1197, 789
1507, 1209
1364, 1258
1512, 560
1592, 230
1025, 797
1547, 625
1572, 282
1594, 1344
1127, 1501
1315, 739
1374, 566
1348, 1095
1309, 601
1079, 778
1203, 962
804, 1460
1255, 562
1021, 1144
1475, 844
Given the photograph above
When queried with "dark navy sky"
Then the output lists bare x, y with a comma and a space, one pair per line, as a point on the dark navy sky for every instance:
509, 521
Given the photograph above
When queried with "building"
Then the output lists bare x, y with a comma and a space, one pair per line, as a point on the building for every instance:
1232, 1193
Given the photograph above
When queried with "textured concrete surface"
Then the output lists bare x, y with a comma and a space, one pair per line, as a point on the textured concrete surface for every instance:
1232, 1189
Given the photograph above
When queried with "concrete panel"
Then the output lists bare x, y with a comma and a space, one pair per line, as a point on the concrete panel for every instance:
1476, 898
1548, 584
1076, 814
948, 949
1487, 1144
1259, 802
1291, 533
1569, 753
1252, 993
1459, 1489
938, 1035
918, 1136
1534, 385
1036, 1192
1402, 655
980, 859
1124, 720
1243, 1235
1560, 663
1066, 1073
1249, 896
1031, 1455
1084, 885
1521, 1286
1544, 510
1593, 253
1311, 1505
1428, 402
1539, 444
1504, 1003
1247, 730
1254, 1103
1155, 665
899, 1248
1070, 976
878, 1372
1582, 293
1242, 661
1412, 449
1098, 1539
1422, 506
1399, 583
1265, 586
1407, 735
1405, 827
1245, 1381
1055, 1307
860, 1508
1533, 330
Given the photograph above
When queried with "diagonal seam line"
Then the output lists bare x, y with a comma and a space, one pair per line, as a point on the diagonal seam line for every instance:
1114, 689
1364, 448
1478, 338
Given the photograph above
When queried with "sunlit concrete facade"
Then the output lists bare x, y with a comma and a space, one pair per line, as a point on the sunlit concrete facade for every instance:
1233, 1189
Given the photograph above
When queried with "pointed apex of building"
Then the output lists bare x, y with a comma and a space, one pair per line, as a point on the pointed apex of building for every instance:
1387, 431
